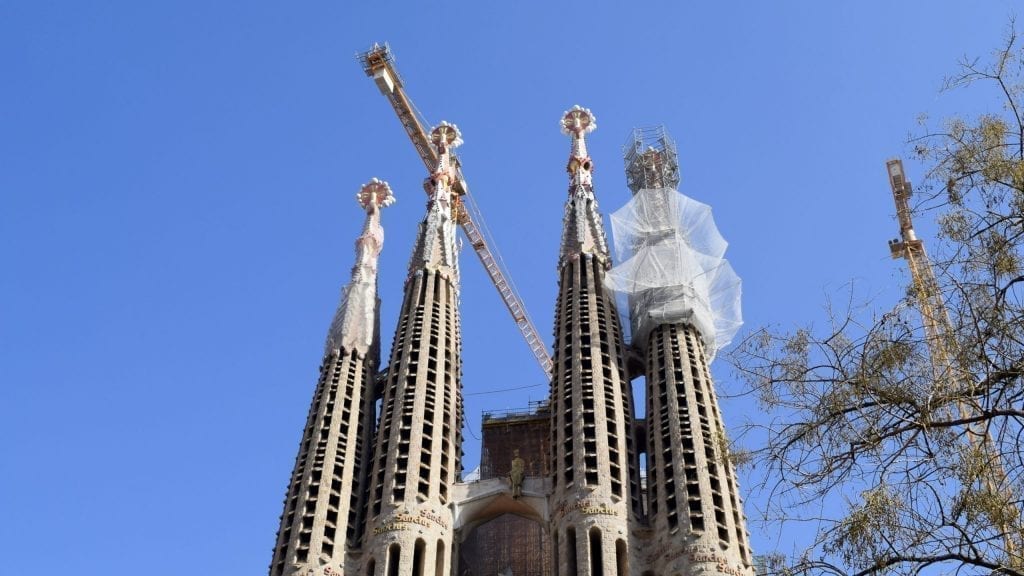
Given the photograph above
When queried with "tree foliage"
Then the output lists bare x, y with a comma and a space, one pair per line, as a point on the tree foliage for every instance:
898, 460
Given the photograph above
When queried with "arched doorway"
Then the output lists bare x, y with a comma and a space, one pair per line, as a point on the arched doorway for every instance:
507, 544
496, 533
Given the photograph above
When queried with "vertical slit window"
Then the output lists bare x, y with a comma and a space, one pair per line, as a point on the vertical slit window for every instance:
596, 555
394, 555
570, 549
621, 563
417, 557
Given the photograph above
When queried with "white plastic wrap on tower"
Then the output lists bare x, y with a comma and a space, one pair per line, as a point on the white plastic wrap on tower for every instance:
672, 268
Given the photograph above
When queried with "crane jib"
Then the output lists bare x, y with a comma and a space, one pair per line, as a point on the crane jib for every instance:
379, 64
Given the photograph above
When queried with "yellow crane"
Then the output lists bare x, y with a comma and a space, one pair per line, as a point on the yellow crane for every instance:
379, 63
937, 327
939, 334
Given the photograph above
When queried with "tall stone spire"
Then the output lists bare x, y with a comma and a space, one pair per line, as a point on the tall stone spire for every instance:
322, 504
594, 463
418, 445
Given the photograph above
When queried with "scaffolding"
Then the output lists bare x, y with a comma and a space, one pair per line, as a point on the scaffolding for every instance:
671, 268
651, 158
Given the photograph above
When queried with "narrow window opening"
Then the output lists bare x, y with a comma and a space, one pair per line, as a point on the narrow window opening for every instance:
554, 546
417, 557
570, 549
621, 564
439, 559
596, 557
394, 553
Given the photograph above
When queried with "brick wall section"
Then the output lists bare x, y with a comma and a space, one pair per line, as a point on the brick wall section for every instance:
502, 435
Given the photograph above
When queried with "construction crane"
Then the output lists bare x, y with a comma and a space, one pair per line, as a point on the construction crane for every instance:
937, 327
939, 333
379, 63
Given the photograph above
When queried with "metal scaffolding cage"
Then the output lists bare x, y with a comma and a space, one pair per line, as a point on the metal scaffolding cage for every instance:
651, 159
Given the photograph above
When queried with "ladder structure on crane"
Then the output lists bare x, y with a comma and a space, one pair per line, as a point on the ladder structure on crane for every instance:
379, 64
939, 331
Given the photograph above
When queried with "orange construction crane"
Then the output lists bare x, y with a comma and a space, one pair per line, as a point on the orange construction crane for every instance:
379, 64
939, 334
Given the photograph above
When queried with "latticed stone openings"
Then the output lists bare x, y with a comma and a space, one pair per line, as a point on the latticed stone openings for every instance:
319, 488
420, 558
682, 406
423, 357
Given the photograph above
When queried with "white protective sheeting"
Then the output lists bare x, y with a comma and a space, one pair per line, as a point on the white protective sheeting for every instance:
672, 268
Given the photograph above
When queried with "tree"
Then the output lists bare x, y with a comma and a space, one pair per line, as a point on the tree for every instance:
921, 454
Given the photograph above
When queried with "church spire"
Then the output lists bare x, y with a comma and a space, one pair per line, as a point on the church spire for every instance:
321, 517
354, 324
595, 480
582, 230
418, 447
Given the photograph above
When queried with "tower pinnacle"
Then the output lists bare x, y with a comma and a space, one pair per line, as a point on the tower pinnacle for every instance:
444, 137
354, 324
582, 230
436, 247
576, 123
651, 159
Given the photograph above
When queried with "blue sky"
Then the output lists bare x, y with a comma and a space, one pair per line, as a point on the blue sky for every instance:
177, 217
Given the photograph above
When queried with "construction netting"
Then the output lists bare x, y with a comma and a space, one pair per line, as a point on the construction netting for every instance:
672, 268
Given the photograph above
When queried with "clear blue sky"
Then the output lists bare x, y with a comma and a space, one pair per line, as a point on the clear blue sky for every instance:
177, 217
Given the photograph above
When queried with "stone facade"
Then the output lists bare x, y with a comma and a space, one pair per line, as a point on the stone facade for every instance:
377, 490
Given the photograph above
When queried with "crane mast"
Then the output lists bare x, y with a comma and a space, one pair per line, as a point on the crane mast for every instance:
937, 326
379, 64
939, 333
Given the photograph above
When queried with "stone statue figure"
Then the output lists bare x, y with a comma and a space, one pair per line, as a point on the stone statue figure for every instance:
516, 474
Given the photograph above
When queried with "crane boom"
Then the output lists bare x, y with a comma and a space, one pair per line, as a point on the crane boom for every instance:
379, 64
939, 334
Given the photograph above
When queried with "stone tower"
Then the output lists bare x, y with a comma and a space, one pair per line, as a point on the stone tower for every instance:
418, 443
322, 504
675, 278
595, 484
